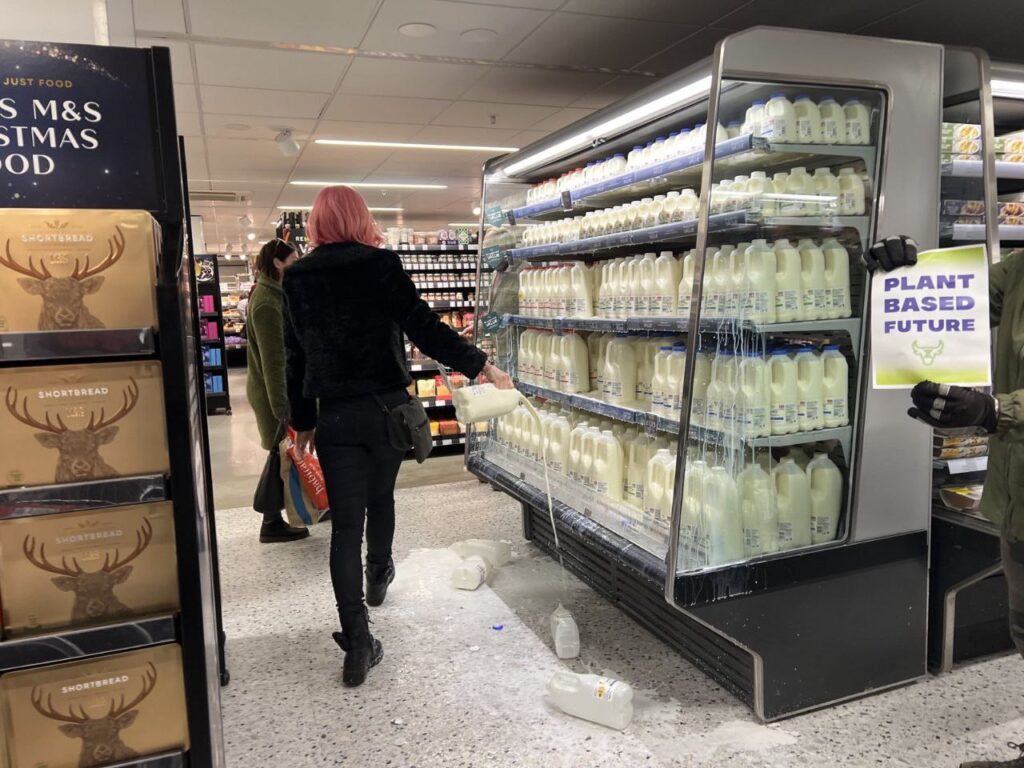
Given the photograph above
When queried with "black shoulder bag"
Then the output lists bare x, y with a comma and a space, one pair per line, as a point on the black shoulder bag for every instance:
269, 496
408, 427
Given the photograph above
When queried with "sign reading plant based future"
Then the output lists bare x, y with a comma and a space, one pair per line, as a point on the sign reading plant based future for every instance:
931, 321
74, 132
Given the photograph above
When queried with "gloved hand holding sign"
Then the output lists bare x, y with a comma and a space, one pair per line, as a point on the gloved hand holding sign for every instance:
944, 406
893, 252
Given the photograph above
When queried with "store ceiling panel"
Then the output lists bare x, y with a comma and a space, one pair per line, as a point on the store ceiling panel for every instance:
813, 14
690, 11
684, 53
255, 127
486, 115
384, 109
259, 68
258, 101
366, 131
162, 15
562, 118
181, 58
545, 87
401, 77
455, 134
309, 22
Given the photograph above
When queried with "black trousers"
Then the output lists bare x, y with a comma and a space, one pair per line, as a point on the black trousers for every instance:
360, 468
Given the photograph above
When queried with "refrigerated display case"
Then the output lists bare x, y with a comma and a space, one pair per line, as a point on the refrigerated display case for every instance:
736, 486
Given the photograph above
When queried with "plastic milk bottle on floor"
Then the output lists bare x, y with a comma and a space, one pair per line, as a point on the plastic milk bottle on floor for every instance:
826, 498
497, 553
565, 633
600, 700
836, 411
837, 278
793, 497
470, 573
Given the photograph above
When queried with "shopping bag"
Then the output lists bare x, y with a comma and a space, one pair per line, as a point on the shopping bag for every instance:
311, 476
296, 506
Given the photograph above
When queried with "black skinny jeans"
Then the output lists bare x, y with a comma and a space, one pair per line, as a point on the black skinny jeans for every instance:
360, 469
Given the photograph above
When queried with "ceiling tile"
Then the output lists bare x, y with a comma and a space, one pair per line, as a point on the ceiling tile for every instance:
159, 15
526, 138
396, 77
360, 131
683, 11
547, 5
685, 52
181, 57
220, 126
185, 98
561, 119
283, 70
453, 134
255, 101
188, 124
543, 87
450, 19
619, 88
485, 114
195, 161
310, 22
246, 159
812, 14
422, 164
384, 109
598, 41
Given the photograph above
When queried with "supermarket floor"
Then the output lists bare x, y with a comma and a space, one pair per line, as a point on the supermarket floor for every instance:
463, 675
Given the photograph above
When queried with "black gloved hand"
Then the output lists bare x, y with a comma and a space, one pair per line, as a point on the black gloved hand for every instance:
893, 252
945, 406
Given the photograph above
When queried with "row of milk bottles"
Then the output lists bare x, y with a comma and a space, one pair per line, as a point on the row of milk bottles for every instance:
759, 281
726, 518
793, 193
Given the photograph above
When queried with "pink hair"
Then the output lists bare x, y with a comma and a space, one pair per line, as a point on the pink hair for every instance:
340, 215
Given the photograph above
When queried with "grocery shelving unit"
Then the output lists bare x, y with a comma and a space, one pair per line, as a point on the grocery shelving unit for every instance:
156, 186
795, 629
215, 361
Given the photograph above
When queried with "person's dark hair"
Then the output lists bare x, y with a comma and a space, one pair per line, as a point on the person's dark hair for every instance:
272, 249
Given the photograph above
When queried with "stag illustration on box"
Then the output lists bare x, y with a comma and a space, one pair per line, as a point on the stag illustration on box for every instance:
94, 590
78, 456
64, 297
101, 736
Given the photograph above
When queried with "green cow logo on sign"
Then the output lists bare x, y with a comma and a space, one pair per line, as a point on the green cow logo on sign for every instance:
928, 354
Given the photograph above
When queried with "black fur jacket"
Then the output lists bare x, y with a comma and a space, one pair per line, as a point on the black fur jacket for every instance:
347, 306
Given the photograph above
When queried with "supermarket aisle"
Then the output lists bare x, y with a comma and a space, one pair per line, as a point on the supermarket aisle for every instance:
454, 691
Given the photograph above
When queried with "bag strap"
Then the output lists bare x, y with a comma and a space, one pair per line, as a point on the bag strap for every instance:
282, 430
380, 402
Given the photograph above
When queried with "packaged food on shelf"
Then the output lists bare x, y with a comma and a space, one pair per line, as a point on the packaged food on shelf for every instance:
955, 146
111, 709
961, 131
64, 269
87, 567
962, 452
69, 424
961, 498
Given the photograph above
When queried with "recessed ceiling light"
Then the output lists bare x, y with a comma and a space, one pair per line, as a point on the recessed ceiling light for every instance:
418, 30
476, 210
237, 126
480, 35
367, 184
251, 235
412, 145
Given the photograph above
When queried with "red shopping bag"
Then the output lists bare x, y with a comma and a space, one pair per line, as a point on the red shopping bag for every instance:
310, 477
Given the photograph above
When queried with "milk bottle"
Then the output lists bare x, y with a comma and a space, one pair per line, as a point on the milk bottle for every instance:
587, 455
523, 364
800, 186
657, 483
757, 510
701, 382
811, 385
575, 464
740, 192
691, 526
689, 205
785, 393
575, 364
674, 384
620, 286
594, 360
470, 573
536, 444
565, 633
686, 284
553, 365
720, 286
753, 120
833, 122
754, 396
714, 394
601, 700
759, 301
787, 282
826, 483
610, 288
826, 187
638, 454
647, 290
836, 412
581, 301
660, 394
782, 206
563, 291
793, 500
667, 274
732, 130
779, 120
851, 193
812, 281
602, 357
837, 278
632, 291
604, 290
858, 122
756, 188
729, 390
607, 466
723, 524
541, 352
808, 120
736, 295
559, 433
619, 383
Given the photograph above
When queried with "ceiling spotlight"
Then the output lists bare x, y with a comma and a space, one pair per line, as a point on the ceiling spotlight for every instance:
287, 144
251, 236
227, 248
479, 35
245, 221
416, 29
476, 210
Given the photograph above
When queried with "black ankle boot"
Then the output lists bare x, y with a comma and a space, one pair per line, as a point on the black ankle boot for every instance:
362, 650
274, 531
378, 577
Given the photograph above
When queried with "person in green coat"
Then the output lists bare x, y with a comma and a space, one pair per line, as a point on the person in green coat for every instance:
265, 385
1000, 414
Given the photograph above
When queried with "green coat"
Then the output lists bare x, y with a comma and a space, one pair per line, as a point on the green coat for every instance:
1003, 499
265, 379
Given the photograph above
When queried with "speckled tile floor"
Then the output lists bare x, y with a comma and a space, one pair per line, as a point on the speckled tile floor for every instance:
454, 692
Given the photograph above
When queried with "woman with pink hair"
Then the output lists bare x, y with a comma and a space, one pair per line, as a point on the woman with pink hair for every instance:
349, 302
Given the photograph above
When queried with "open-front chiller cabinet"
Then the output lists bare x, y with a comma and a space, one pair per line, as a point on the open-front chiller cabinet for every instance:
688, 307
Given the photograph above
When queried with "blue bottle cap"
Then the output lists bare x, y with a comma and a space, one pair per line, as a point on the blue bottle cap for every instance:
638, 146
780, 351
827, 100
831, 347
679, 347
684, 131
661, 138
664, 349
734, 124
778, 95
758, 103
805, 351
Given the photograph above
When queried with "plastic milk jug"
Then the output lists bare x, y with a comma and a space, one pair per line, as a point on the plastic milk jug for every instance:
800, 186
811, 382
607, 467
483, 401
660, 395
753, 119
594, 358
785, 393
674, 384
729, 389
691, 535
779, 123
565, 633
701, 382
837, 278
536, 449
470, 573
826, 498
587, 456
836, 411
720, 286
737, 293
686, 284
611, 288
756, 188
723, 524
602, 357
632, 293
541, 350
757, 509
575, 465
496, 553
793, 500
620, 371
787, 282
657, 482
808, 120
575, 364
638, 454
558, 444
581, 303
851, 193
833, 122
667, 274
689, 205
600, 700
858, 122
714, 394
812, 281
779, 181
759, 303
754, 396
648, 285
523, 363
826, 188
603, 291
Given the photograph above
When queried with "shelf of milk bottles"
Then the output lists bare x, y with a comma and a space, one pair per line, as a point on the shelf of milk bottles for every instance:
844, 435
747, 151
